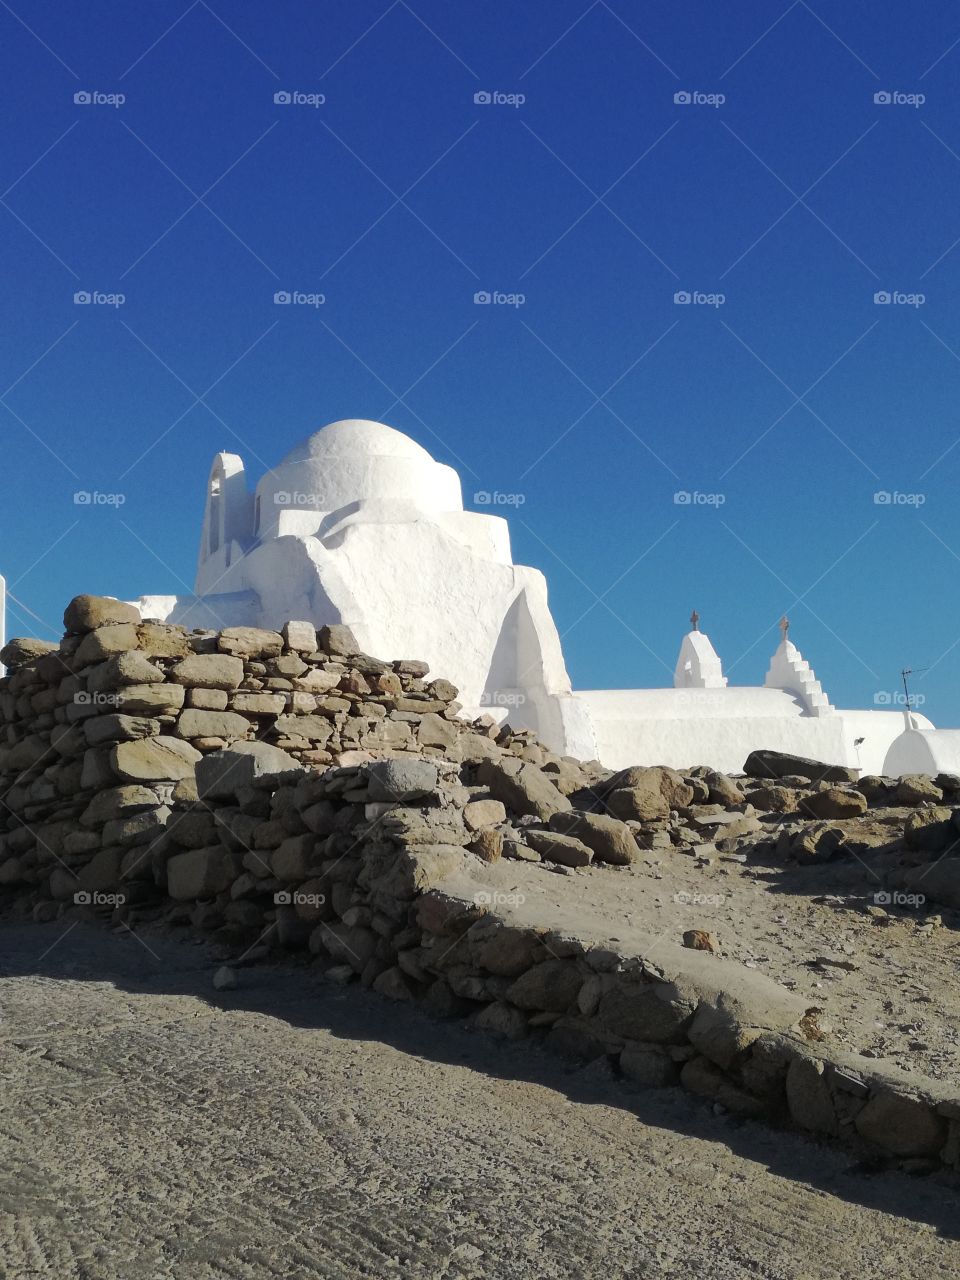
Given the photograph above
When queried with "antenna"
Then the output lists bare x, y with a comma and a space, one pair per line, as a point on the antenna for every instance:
909, 671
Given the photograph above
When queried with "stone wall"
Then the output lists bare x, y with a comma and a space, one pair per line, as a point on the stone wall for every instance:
280, 791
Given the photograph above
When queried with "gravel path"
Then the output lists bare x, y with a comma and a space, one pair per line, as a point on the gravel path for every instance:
150, 1127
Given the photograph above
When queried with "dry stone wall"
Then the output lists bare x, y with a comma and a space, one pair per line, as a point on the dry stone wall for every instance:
282, 791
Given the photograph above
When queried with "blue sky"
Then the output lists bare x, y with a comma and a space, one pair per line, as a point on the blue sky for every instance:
782, 409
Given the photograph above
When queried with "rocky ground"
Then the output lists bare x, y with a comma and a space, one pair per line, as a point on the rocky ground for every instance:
884, 976
150, 1128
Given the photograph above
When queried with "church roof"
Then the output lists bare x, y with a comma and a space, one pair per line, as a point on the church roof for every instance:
357, 438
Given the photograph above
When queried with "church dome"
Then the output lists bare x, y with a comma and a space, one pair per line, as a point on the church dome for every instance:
352, 463
356, 438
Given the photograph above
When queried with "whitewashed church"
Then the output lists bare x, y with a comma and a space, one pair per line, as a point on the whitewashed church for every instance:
358, 524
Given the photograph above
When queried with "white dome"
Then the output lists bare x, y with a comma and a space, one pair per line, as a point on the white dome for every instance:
357, 438
352, 463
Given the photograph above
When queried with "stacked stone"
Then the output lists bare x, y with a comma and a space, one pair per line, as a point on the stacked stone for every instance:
101, 734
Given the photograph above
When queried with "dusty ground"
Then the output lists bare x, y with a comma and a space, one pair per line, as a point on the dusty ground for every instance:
889, 988
151, 1128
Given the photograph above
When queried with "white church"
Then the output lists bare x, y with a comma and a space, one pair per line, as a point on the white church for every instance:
358, 524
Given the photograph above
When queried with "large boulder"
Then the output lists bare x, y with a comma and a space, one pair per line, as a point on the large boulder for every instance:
21, 651
902, 1125
163, 640
250, 642
781, 764
648, 1011
155, 699
338, 641
568, 851
118, 728
833, 802
397, 781
220, 774
200, 873
154, 760
104, 642
611, 840
121, 670
916, 788
212, 724
656, 791
640, 804
549, 987
301, 637
522, 787
86, 613
209, 671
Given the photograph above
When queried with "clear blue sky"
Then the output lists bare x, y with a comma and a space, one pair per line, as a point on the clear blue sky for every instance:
599, 398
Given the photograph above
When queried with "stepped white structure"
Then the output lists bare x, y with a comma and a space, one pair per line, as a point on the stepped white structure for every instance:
359, 524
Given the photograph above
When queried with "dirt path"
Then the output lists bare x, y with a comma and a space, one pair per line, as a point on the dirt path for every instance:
295, 1130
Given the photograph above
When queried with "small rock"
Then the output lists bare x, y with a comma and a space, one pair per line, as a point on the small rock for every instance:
225, 979
700, 940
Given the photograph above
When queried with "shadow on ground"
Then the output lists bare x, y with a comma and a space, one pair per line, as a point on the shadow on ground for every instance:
161, 963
